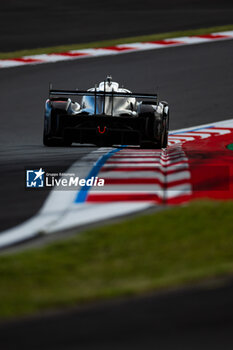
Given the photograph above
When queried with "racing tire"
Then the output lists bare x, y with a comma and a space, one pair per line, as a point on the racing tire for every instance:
166, 126
154, 128
49, 142
48, 139
165, 134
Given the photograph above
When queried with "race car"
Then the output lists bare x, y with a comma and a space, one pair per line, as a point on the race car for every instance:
106, 115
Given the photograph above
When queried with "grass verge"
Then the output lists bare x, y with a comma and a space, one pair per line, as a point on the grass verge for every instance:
175, 247
65, 48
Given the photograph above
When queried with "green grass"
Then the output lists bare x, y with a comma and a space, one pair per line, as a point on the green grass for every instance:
175, 247
64, 48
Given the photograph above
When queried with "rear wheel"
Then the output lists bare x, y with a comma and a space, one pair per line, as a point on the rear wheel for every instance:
50, 142
157, 127
166, 122
48, 139
165, 140
154, 130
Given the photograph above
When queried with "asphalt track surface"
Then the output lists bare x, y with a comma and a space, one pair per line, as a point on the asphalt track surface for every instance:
196, 81
194, 319
39, 23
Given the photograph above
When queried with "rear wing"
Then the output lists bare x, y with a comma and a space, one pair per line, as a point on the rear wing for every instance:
54, 92
95, 93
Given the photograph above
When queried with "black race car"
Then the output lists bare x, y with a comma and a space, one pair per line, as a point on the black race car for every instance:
106, 115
